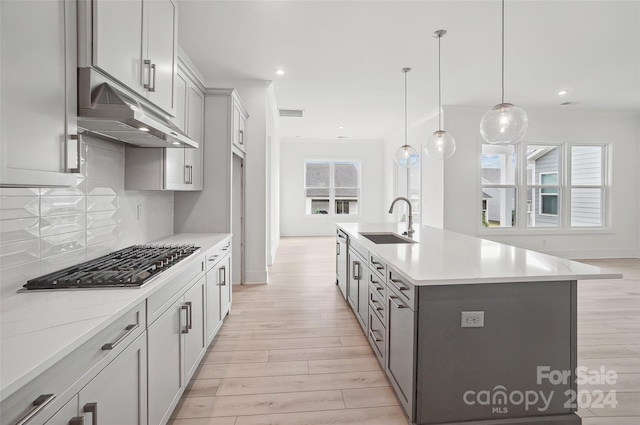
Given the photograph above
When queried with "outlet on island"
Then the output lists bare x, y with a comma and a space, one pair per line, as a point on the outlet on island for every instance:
472, 319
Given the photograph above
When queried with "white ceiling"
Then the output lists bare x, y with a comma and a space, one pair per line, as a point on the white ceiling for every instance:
343, 59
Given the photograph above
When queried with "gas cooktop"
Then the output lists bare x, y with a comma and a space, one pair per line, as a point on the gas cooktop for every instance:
130, 267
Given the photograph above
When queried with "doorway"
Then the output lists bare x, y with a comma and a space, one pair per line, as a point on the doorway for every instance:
237, 219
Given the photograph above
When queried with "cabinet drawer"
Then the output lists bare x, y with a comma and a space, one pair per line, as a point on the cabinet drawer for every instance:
377, 305
405, 290
363, 252
378, 266
377, 337
55, 387
159, 301
215, 254
377, 285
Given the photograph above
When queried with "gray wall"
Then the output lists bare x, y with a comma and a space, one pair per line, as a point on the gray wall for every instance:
43, 230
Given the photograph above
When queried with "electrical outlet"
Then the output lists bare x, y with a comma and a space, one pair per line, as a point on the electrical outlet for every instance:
472, 319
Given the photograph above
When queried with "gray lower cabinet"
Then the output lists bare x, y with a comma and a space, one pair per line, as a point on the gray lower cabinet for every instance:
357, 292
65, 415
341, 262
117, 395
401, 325
224, 282
176, 344
218, 289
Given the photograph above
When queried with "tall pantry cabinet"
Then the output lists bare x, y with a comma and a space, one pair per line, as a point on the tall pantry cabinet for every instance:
211, 210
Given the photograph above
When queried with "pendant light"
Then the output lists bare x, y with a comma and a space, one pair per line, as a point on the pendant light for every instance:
440, 145
505, 123
406, 156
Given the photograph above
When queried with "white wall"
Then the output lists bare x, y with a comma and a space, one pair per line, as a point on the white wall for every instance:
273, 175
293, 219
461, 178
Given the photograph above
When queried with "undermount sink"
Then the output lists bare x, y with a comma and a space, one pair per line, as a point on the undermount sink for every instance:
386, 238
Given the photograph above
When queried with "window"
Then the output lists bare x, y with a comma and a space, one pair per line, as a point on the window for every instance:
532, 185
332, 187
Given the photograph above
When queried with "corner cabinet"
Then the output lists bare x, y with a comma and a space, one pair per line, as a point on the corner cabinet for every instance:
134, 42
38, 94
173, 168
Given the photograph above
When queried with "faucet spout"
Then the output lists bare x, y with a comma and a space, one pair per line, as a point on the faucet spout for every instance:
410, 230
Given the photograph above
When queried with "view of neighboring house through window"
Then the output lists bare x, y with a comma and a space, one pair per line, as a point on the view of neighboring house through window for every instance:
563, 185
332, 187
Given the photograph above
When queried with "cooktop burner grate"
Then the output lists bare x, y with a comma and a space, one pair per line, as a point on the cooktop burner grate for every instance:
128, 267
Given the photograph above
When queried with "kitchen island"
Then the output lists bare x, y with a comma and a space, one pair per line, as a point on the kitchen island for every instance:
468, 330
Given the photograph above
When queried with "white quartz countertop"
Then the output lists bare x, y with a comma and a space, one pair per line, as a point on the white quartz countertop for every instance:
441, 257
38, 329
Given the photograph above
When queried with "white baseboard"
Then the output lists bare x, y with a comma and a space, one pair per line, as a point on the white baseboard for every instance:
256, 277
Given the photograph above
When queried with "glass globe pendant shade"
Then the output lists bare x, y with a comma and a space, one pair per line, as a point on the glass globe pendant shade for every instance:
440, 145
504, 124
406, 156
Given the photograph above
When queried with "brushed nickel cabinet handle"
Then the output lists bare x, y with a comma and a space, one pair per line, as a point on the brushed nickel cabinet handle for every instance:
241, 140
147, 66
72, 153
185, 308
128, 331
152, 88
373, 305
93, 409
38, 404
393, 299
356, 275
337, 248
222, 276
375, 338
190, 316
397, 284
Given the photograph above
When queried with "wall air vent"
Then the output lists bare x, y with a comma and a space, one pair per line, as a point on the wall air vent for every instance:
295, 113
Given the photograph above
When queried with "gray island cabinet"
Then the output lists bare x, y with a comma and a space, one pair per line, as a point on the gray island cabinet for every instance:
468, 330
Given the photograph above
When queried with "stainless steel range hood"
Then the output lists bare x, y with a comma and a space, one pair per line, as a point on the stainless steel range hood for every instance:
109, 112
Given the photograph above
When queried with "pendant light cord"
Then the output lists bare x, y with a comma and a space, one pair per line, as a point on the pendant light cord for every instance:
502, 51
439, 87
406, 110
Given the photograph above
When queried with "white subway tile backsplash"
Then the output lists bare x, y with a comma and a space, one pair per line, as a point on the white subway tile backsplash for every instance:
62, 205
19, 207
14, 253
57, 224
19, 229
44, 230
60, 244
102, 218
102, 234
102, 203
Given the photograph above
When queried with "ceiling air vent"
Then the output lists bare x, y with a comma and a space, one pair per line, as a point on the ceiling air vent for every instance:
295, 113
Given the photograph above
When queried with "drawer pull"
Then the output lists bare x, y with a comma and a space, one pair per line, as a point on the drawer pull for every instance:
129, 330
373, 304
393, 299
213, 258
372, 335
398, 286
93, 409
377, 265
38, 404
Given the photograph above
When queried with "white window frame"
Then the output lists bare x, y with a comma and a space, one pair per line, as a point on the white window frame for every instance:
332, 187
541, 194
564, 186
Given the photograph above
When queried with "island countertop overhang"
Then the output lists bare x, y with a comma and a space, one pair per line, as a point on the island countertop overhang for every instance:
442, 257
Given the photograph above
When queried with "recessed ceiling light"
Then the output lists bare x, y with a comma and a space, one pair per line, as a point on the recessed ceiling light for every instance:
562, 92
280, 71
341, 127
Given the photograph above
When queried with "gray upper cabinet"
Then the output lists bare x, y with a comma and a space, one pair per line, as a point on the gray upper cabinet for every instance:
38, 93
173, 168
134, 42
239, 127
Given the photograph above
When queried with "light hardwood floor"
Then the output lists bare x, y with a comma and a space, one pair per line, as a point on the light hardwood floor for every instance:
292, 353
